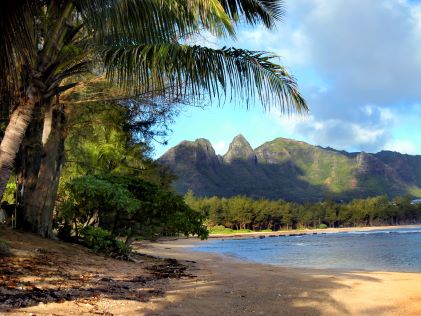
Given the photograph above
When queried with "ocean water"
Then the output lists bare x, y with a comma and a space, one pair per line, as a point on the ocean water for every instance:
386, 250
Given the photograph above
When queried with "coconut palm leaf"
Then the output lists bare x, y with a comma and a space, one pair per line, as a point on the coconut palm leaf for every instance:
152, 20
267, 12
17, 40
121, 23
237, 72
155, 21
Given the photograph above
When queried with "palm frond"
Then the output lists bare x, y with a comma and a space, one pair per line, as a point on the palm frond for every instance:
152, 21
267, 12
248, 75
16, 29
155, 21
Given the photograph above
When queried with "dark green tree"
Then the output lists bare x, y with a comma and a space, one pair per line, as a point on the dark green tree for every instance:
127, 207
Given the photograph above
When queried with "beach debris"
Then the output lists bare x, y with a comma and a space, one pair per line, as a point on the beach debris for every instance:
142, 279
40, 277
171, 268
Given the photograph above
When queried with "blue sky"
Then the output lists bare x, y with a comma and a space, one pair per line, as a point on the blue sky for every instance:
358, 64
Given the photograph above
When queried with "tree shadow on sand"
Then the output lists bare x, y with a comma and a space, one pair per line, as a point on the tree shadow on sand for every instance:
282, 291
42, 276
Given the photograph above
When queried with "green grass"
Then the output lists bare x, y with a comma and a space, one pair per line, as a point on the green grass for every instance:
228, 231
414, 191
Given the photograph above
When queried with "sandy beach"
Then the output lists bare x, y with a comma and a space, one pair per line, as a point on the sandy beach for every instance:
211, 284
225, 286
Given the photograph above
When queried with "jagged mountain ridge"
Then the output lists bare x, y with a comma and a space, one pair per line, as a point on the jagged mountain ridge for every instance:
291, 170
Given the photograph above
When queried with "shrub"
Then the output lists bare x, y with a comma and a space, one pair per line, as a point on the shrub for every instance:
322, 226
98, 239
101, 240
124, 206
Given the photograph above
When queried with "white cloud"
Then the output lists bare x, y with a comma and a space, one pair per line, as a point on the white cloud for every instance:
205, 38
254, 36
288, 122
339, 133
367, 136
358, 64
401, 145
220, 147
368, 109
386, 115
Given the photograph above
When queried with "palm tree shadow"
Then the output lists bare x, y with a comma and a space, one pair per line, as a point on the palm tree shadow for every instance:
62, 272
235, 290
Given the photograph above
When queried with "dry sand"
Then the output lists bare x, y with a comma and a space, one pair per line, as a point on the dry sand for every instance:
221, 286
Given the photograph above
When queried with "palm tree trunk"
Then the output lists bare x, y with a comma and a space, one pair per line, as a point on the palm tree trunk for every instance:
38, 181
13, 136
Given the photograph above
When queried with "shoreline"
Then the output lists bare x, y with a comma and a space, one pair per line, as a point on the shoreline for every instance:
297, 232
229, 286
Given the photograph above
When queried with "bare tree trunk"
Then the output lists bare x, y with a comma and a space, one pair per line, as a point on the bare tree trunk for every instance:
13, 136
38, 182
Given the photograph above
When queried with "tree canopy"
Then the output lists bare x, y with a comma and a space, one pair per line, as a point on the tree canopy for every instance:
241, 212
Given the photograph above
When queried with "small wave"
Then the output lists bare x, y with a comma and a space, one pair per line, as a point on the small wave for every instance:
234, 255
393, 231
359, 233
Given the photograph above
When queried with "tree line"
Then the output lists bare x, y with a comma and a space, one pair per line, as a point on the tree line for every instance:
241, 212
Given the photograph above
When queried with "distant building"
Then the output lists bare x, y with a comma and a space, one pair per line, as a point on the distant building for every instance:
416, 202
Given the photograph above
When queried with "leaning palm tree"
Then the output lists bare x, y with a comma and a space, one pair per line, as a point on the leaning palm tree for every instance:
50, 45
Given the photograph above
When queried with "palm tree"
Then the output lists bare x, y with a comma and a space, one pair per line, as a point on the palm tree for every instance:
49, 45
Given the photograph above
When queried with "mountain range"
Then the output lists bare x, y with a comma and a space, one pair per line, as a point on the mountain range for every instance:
291, 170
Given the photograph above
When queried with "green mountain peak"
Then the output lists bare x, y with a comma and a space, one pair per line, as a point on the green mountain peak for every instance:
239, 150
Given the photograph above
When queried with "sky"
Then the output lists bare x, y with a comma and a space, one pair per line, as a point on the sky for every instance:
358, 65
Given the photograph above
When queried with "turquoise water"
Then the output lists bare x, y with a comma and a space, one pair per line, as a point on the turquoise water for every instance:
387, 250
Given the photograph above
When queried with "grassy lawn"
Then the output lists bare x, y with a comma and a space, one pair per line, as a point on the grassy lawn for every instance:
229, 231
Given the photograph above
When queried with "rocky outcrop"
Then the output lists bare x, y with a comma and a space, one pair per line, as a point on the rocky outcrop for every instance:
198, 152
368, 165
240, 151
